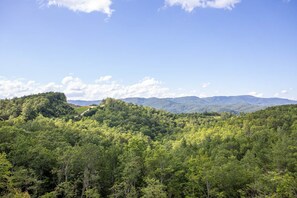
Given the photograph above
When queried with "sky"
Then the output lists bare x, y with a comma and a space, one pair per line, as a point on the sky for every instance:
93, 49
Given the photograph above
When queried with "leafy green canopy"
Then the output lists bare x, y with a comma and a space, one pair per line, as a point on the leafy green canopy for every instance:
130, 117
123, 150
47, 104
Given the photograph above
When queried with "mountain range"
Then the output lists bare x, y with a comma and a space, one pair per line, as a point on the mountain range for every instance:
192, 104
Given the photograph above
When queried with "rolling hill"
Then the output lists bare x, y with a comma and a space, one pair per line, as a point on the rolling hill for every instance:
48, 149
191, 104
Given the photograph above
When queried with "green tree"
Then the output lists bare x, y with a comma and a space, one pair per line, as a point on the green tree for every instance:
5, 172
153, 189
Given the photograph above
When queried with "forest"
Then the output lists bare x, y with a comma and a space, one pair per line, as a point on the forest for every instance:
52, 149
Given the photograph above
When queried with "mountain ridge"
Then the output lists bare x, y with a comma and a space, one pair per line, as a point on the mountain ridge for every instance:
191, 104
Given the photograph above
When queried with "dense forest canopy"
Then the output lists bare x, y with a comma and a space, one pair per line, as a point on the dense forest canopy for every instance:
49, 148
29, 107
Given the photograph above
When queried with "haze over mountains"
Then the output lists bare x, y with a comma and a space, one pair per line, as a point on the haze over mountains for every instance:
191, 104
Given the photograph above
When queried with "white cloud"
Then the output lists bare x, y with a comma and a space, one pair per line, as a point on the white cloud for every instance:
75, 88
202, 95
84, 5
104, 79
13, 88
283, 93
190, 5
256, 94
106, 86
205, 85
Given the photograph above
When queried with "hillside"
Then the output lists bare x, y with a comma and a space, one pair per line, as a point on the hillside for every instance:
47, 104
119, 149
130, 117
192, 104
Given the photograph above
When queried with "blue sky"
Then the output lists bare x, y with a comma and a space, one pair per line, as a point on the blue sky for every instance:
94, 49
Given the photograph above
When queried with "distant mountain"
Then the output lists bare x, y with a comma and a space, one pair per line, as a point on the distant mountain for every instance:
84, 102
191, 104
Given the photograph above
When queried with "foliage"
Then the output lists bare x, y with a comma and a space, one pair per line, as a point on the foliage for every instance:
29, 107
124, 150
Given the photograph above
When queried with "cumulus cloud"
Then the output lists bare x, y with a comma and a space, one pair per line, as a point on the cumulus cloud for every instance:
256, 94
205, 85
190, 5
104, 79
105, 86
75, 88
285, 93
87, 6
